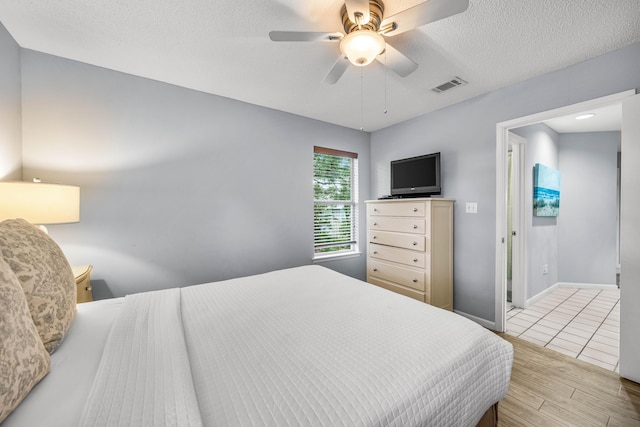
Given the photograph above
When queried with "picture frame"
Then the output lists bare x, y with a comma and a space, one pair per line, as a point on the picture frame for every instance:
546, 191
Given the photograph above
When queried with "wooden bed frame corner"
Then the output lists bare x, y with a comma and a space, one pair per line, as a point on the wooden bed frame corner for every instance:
490, 418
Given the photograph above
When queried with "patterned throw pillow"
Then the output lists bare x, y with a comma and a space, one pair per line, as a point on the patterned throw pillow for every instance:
23, 358
45, 276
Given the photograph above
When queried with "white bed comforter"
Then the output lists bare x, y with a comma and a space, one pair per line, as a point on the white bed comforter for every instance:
297, 347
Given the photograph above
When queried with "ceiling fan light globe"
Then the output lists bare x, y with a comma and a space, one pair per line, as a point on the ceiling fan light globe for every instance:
362, 46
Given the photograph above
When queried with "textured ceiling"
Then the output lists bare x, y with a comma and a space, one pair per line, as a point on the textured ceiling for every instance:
222, 47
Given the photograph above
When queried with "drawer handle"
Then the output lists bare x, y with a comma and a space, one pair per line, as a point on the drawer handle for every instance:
375, 223
415, 226
375, 209
415, 280
374, 237
414, 260
375, 252
415, 209
414, 243
375, 269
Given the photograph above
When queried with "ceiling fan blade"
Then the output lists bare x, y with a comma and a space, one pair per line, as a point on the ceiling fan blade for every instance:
422, 14
336, 71
361, 6
304, 36
397, 61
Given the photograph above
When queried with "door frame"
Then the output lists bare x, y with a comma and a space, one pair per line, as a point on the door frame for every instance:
502, 146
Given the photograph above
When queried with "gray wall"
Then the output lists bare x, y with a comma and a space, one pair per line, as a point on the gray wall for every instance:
465, 133
177, 187
10, 110
542, 232
587, 221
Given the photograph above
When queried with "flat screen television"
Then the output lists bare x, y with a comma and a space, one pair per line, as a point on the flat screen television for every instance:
416, 176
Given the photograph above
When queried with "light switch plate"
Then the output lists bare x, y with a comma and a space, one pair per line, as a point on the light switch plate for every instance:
471, 207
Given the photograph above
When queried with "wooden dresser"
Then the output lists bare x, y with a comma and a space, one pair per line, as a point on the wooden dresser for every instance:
410, 248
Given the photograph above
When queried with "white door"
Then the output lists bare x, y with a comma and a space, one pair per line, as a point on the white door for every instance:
515, 213
630, 240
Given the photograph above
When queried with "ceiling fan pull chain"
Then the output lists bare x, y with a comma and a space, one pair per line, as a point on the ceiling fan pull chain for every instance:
385, 81
361, 102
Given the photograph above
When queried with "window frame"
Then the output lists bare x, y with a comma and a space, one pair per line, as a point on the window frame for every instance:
354, 249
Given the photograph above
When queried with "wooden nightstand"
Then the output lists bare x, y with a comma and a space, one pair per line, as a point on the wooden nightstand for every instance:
83, 283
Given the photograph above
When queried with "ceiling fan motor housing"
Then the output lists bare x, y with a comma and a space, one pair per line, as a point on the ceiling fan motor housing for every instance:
376, 13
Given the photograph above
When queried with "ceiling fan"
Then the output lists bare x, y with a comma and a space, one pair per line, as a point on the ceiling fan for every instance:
366, 30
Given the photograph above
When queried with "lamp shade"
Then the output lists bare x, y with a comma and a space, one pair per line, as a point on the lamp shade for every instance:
362, 46
39, 203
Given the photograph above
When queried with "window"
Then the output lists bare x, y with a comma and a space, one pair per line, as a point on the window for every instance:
335, 208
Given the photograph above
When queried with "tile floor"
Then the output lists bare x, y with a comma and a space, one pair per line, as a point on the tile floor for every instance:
581, 323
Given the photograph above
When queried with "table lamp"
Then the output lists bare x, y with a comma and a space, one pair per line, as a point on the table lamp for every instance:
39, 203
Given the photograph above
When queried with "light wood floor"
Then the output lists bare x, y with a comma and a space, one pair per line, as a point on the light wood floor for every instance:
550, 389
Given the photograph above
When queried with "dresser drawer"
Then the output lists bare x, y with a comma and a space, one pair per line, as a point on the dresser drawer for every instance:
420, 296
413, 209
403, 256
404, 225
401, 240
405, 276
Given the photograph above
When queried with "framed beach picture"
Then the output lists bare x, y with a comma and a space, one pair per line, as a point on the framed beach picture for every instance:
546, 191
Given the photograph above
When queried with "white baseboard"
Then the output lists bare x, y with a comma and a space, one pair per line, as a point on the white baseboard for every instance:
599, 286
534, 299
479, 320
570, 285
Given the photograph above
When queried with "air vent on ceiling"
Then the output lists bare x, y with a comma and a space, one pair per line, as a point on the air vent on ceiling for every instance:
456, 81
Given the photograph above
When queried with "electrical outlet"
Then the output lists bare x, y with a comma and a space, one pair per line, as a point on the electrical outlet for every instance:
545, 268
471, 207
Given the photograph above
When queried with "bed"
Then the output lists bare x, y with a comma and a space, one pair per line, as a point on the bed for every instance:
305, 346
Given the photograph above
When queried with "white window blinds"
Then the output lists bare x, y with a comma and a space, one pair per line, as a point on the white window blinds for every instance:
335, 176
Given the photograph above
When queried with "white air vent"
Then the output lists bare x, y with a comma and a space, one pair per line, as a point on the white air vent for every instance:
456, 81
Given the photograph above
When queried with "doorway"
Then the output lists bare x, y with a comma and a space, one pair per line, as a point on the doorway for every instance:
502, 173
629, 231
